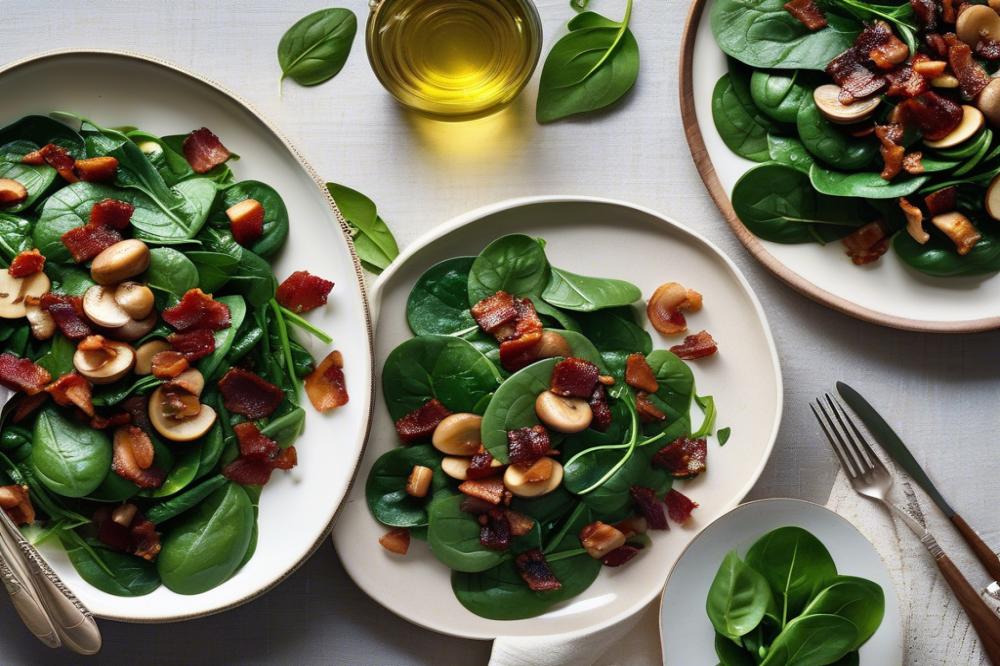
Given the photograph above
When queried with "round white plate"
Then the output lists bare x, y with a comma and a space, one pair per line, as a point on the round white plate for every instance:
608, 239
297, 508
687, 635
886, 292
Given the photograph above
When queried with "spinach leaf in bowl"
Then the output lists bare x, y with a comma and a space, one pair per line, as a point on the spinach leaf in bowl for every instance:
453, 535
829, 143
385, 489
739, 122
513, 405
866, 185
778, 94
937, 257
275, 231
438, 304
581, 293
70, 459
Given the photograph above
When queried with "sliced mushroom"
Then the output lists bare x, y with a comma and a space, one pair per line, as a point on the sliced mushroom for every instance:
458, 434
972, 121
828, 102
43, 326
100, 306
134, 329
105, 365
515, 481
977, 23
135, 299
561, 414
191, 381
552, 345
11, 192
145, 353
119, 262
945, 81
988, 102
457, 467
992, 202
959, 229
178, 430
14, 291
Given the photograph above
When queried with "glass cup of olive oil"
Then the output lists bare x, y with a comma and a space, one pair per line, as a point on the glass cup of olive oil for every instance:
454, 59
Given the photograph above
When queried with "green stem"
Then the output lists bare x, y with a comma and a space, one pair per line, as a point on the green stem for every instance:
286, 349
565, 554
303, 324
623, 26
633, 440
561, 534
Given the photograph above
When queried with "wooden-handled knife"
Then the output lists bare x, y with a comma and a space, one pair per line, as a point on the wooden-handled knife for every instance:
894, 446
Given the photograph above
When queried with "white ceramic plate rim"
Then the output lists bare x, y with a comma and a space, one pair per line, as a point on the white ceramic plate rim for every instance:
473, 216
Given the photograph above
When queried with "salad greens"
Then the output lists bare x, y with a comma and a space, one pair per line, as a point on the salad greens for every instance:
315, 49
373, 241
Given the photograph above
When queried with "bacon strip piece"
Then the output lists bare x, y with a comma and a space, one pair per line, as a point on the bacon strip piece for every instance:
56, 157
204, 151
972, 78
481, 465
684, 458
679, 506
926, 13
988, 49
22, 374
302, 291
650, 507
489, 490
574, 378
850, 71
494, 530
521, 346
421, 422
88, 241
68, 314
914, 221
648, 412
326, 386
943, 201
639, 375
246, 393
807, 13
27, 263
193, 345
536, 572
906, 82
495, 312
526, 445
600, 409
259, 457
621, 555
866, 244
111, 213
197, 309
699, 345
935, 116
16, 502
72, 390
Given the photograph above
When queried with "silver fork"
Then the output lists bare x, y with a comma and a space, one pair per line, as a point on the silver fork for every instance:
870, 478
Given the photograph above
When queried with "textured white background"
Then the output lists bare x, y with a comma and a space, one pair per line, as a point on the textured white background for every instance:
943, 392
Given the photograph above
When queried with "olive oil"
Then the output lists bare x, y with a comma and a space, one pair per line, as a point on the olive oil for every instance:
454, 58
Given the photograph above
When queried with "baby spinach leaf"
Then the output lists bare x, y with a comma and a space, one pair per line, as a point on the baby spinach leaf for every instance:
275, 214
15, 236
856, 599
674, 395
211, 364
453, 536
730, 654
439, 300
830, 143
385, 489
171, 165
586, 294
938, 257
175, 506
110, 571
315, 49
436, 366
70, 459
778, 94
868, 185
796, 564
214, 268
513, 405
41, 130
184, 471
737, 598
170, 272
789, 151
515, 263
373, 241
211, 449
743, 128
616, 330
286, 428
252, 277
810, 640
36, 179
58, 360
590, 68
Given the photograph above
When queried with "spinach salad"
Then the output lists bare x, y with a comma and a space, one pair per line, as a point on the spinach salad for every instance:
541, 431
873, 124
785, 604
151, 349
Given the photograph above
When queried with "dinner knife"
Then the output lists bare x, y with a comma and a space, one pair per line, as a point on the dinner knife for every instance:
890, 441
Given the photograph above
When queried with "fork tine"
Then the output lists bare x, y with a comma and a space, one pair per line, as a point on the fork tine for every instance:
845, 461
852, 444
873, 458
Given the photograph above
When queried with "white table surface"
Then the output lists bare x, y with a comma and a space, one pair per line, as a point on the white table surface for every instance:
942, 391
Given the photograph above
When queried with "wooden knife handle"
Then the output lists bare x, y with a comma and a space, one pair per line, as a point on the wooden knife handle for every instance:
986, 624
983, 552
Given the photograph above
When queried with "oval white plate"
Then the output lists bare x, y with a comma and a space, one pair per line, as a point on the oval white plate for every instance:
297, 508
887, 292
608, 239
686, 632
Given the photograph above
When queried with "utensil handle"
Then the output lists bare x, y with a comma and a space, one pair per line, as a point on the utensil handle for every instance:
984, 553
28, 608
986, 624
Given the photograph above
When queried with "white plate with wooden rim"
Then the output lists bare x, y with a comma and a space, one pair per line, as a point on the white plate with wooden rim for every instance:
886, 292
607, 239
686, 633
297, 508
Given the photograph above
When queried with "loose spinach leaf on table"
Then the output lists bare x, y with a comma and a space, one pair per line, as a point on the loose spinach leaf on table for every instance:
316, 47
737, 598
373, 241
385, 489
513, 405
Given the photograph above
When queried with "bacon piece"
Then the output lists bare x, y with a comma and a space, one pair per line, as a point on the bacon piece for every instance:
246, 221
68, 314
536, 572
665, 307
96, 169
111, 213
943, 201
520, 524
807, 13
936, 44
866, 244
959, 229
520, 352
526, 445
422, 421
679, 506
100, 422
27, 263
22, 374
639, 375
246, 393
948, 13
488, 490
494, 530
621, 555
893, 51
197, 309
138, 537
396, 540
136, 407
527, 318
26, 404
648, 412
111, 534
56, 157
988, 49
169, 364
913, 163
204, 151
650, 507
926, 13
600, 409
699, 345
574, 378
481, 465
145, 539
248, 472
684, 458
302, 291
972, 78
935, 116
133, 458
192, 345
16, 502
914, 221
72, 389
259, 457
906, 82
326, 386
850, 69
495, 312
88, 241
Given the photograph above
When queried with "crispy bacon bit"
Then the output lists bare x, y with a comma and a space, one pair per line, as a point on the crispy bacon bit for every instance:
302, 291
807, 13
68, 314
494, 530
936, 44
88, 241
193, 345
959, 229
27, 263
56, 157
948, 13
850, 71
988, 49
600, 539
72, 389
25, 404
96, 169
527, 318
893, 51
111, 213
169, 364
913, 163
396, 540
135, 407
972, 78
679, 507
535, 571
935, 116
943, 201
246, 221
649, 506
481, 465
699, 345
574, 378
488, 490
892, 153
520, 352
639, 375
914, 221
204, 151
145, 539
326, 386
495, 312
133, 458
259, 456
926, 13
138, 537
16, 502
248, 394
421, 422
197, 309
599, 408
684, 458
620, 556
21, 374
904, 81
520, 524
866, 244
648, 412
100, 422
665, 307
526, 445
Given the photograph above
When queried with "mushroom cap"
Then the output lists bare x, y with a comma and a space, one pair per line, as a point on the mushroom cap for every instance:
135, 299
15, 291
134, 329
515, 482
977, 23
144, 355
100, 306
972, 121
568, 415
992, 202
179, 430
121, 261
458, 434
988, 102
102, 367
827, 98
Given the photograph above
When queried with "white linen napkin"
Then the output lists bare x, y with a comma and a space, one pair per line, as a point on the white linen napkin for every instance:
935, 627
